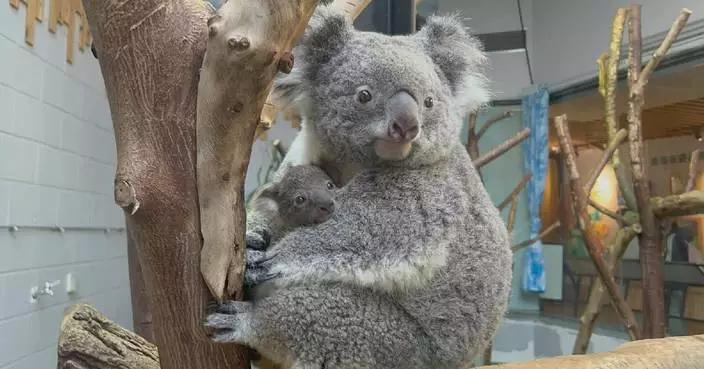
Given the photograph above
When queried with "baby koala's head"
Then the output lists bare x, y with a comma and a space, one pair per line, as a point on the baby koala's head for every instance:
304, 196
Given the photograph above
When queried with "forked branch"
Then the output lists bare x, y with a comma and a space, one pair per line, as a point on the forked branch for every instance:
593, 243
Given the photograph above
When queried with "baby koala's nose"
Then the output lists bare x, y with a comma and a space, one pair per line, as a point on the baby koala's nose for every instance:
405, 128
327, 207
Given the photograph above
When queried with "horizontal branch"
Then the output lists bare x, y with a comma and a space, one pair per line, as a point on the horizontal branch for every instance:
501, 148
533, 240
688, 203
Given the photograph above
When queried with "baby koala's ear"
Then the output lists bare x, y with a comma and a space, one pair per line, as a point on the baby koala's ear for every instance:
459, 56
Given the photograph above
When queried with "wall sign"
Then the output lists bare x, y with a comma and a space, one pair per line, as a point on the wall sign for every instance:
61, 12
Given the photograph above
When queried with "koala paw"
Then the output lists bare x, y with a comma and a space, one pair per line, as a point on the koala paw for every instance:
257, 265
257, 240
228, 321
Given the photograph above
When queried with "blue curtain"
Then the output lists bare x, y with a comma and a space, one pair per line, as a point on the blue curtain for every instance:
534, 115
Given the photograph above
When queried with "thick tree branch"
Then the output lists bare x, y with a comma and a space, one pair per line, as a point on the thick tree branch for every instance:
531, 241
688, 203
597, 293
649, 239
692, 177
593, 243
501, 148
245, 51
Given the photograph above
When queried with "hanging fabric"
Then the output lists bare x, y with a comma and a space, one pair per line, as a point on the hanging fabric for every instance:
534, 115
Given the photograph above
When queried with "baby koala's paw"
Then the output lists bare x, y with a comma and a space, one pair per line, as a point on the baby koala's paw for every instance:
257, 240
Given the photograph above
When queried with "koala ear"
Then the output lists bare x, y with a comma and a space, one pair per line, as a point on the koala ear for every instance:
326, 34
459, 57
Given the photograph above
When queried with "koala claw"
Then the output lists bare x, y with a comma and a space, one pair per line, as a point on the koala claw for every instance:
230, 307
254, 258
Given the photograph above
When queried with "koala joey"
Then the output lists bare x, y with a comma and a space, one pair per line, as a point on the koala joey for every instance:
413, 268
303, 196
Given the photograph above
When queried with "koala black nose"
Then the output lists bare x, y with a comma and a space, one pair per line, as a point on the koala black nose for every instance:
402, 117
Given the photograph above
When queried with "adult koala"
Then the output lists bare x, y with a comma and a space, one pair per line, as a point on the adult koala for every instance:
413, 269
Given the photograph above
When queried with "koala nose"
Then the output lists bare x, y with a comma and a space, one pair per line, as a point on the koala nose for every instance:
402, 115
404, 129
328, 207
325, 203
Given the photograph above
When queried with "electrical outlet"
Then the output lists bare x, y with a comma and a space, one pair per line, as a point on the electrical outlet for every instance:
70, 283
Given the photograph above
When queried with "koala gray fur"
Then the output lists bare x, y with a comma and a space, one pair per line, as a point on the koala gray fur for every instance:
276, 202
413, 269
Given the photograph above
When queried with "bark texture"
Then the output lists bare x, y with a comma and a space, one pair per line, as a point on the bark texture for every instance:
249, 42
150, 53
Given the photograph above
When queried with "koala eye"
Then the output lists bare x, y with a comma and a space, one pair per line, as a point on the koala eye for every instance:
300, 200
364, 96
330, 185
428, 102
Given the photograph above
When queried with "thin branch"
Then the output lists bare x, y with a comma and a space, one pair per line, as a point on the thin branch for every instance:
515, 191
611, 75
512, 215
615, 216
491, 121
533, 240
501, 148
664, 47
693, 164
605, 157
593, 243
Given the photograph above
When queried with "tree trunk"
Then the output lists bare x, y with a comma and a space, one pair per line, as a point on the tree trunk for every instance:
150, 53
141, 307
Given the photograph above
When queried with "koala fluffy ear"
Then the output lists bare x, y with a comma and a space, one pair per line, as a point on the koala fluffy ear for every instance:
326, 34
459, 57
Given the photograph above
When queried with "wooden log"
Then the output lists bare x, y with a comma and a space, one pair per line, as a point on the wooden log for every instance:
688, 203
89, 340
666, 353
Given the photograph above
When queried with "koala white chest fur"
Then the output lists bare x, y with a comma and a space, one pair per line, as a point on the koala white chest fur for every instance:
413, 268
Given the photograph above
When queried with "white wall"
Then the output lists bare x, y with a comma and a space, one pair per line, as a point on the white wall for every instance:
57, 159
568, 36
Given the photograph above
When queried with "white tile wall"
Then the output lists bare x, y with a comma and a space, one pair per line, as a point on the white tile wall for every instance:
57, 162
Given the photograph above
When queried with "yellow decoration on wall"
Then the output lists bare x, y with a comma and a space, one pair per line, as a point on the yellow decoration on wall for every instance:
34, 13
62, 12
